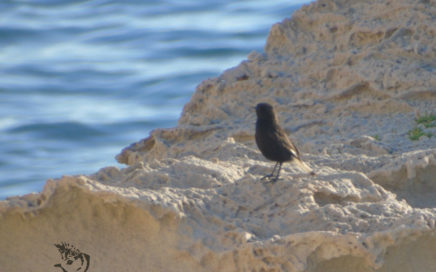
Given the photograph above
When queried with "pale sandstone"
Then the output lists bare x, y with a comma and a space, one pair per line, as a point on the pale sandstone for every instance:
347, 79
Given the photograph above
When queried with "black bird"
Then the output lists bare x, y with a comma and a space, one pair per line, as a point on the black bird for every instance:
273, 141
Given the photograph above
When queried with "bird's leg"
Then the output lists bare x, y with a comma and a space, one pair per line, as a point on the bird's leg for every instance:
272, 173
278, 172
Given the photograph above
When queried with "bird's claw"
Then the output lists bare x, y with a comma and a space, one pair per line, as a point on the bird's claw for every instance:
266, 177
270, 178
274, 180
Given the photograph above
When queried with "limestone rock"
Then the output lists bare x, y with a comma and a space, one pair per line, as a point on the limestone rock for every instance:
348, 79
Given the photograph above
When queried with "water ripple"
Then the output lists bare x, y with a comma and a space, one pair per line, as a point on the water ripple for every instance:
80, 80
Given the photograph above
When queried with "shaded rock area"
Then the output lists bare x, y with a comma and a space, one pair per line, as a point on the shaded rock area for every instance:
349, 80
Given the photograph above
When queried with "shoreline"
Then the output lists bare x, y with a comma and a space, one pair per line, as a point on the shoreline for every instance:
348, 83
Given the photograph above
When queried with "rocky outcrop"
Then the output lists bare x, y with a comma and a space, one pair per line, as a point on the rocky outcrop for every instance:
350, 80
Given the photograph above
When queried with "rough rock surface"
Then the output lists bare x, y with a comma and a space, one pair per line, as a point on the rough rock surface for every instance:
348, 79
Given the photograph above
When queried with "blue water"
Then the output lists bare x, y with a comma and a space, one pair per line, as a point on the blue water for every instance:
80, 80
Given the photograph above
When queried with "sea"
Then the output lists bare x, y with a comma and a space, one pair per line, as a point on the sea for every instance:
81, 80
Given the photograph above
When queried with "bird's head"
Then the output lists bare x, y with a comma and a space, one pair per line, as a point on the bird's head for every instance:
265, 111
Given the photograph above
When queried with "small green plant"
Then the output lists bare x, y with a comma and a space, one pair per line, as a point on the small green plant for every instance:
427, 120
417, 132
377, 137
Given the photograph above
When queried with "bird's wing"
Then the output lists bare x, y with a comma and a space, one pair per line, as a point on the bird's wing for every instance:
280, 136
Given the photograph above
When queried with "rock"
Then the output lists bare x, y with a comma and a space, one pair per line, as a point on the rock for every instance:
347, 79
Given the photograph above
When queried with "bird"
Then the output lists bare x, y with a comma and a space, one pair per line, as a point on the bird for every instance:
273, 142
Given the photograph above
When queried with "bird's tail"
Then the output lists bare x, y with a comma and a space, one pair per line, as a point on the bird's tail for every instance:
303, 166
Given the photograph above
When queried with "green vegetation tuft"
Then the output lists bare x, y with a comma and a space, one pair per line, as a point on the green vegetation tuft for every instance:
417, 132
427, 120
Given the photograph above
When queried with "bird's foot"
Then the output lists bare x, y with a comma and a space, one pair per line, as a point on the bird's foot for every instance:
269, 176
274, 180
